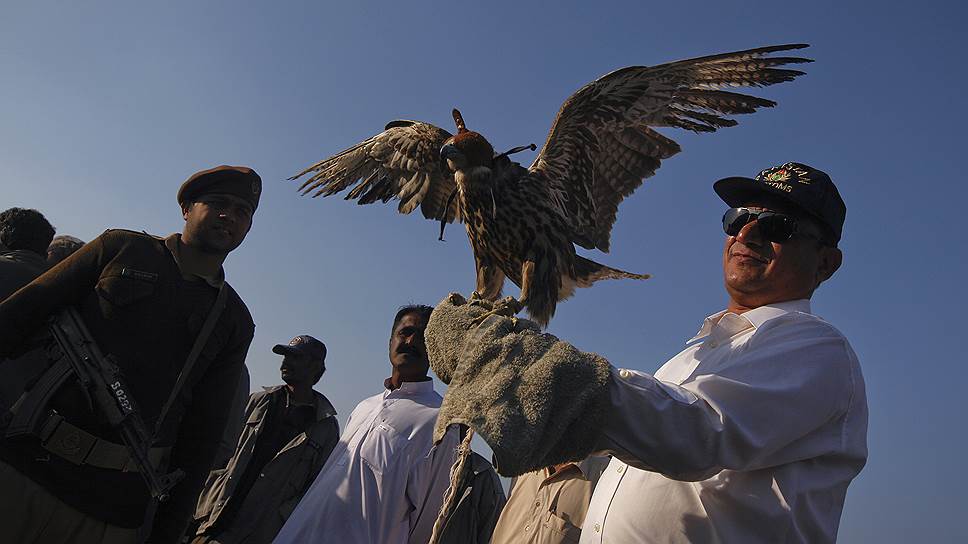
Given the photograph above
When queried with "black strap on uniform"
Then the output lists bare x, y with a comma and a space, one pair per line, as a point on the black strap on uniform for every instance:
200, 342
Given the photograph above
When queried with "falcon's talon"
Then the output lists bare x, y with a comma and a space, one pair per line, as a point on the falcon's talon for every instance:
506, 307
478, 300
481, 318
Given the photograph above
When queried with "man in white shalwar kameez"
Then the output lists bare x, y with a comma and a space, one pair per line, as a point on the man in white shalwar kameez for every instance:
384, 481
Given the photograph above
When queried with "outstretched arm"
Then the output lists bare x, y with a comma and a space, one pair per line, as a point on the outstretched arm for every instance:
535, 399
767, 407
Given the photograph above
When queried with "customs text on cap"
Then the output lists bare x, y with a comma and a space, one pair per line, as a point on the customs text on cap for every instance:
302, 345
807, 188
240, 181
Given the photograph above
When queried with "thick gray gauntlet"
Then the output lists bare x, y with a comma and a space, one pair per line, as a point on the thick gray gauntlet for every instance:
537, 401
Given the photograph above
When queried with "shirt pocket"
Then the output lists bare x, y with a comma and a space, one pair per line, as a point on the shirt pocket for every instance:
382, 447
209, 499
562, 529
123, 292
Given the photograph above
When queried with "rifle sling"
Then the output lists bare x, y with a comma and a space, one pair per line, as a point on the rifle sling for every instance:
200, 341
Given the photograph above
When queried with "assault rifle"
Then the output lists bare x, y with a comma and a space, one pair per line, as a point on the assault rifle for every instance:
101, 380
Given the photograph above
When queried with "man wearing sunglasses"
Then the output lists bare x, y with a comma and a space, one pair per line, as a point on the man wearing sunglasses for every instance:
751, 434
782, 234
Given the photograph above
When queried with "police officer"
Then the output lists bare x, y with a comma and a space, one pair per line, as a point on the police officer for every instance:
146, 301
289, 433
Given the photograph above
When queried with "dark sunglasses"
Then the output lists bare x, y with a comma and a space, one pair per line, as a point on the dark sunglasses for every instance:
774, 226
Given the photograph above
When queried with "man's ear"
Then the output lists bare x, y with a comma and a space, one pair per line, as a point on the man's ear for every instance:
830, 260
185, 209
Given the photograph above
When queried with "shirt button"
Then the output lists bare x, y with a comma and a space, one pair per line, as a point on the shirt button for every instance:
263, 475
620, 469
527, 528
598, 527
537, 504
624, 374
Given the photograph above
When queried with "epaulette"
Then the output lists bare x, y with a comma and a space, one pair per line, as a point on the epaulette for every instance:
126, 235
138, 233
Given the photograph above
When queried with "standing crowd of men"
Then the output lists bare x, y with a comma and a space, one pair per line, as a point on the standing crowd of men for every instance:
751, 434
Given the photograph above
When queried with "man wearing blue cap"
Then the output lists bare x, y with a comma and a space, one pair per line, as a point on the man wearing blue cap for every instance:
752, 433
289, 432
161, 308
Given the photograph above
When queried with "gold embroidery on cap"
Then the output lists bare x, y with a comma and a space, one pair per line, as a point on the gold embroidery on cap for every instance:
781, 186
783, 173
775, 174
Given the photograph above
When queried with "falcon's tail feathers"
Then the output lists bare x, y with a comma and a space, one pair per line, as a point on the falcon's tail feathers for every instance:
588, 272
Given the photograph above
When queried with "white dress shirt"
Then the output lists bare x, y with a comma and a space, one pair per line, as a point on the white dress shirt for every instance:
750, 434
384, 481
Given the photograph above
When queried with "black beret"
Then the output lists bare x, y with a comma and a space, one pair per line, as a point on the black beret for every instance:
240, 181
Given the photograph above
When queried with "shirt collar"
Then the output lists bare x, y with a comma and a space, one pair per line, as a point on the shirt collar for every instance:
324, 408
753, 318
409, 389
584, 466
761, 315
171, 242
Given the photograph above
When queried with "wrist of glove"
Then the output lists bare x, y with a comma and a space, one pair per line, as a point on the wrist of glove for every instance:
537, 401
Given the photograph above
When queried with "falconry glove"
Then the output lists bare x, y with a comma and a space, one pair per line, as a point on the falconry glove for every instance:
537, 401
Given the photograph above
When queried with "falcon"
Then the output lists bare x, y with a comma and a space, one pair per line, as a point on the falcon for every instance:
523, 223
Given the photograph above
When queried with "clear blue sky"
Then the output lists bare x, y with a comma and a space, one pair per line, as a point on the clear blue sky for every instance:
105, 108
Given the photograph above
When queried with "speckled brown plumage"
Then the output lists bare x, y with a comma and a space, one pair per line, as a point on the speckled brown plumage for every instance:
523, 222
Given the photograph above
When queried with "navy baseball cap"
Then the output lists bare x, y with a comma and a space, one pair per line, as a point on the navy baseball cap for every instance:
303, 345
805, 187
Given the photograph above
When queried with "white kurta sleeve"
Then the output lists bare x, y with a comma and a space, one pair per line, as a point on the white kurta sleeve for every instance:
426, 485
767, 403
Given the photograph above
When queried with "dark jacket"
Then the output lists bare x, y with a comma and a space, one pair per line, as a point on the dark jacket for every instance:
479, 505
18, 268
131, 294
281, 483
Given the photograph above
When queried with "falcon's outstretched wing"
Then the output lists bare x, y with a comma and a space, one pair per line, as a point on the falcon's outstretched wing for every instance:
401, 162
600, 146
